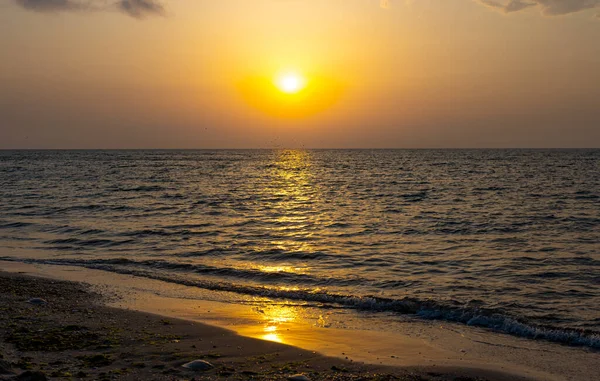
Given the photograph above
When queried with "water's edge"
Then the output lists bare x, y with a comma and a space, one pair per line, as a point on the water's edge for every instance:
426, 309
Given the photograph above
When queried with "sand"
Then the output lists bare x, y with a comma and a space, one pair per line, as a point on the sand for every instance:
76, 336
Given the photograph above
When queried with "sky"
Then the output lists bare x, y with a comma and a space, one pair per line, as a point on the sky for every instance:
374, 74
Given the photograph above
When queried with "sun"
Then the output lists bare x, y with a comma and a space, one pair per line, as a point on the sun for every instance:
290, 83
289, 93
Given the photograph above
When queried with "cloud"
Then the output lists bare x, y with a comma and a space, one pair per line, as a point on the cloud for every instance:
548, 7
134, 8
141, 8
511, 6
50, 5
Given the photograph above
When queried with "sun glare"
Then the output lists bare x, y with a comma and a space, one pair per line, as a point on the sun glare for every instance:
289, 94
290, 83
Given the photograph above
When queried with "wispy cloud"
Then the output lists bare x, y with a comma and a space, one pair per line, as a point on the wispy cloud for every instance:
141, 8
51, 5
134, 8
548, 7
511, 6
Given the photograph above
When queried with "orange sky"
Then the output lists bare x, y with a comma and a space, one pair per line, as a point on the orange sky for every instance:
199, 74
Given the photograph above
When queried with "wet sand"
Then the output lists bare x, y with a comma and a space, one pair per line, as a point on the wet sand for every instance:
76, 336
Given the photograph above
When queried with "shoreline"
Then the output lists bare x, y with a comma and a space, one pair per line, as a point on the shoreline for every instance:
75, 336
419, 346
494, 320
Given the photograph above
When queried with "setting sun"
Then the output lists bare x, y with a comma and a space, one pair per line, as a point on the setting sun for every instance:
290, 94
290, 83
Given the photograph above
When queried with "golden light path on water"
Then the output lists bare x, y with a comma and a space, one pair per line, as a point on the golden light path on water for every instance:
291, 212
290, 220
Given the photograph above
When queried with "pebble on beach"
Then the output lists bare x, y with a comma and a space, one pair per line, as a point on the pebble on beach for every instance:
198, 365
37, 301
298, 377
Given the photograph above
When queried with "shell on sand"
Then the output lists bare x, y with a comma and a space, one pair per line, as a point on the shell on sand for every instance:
37, 301
298, 377
198, 365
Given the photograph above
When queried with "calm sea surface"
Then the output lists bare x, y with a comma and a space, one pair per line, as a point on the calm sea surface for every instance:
505, 239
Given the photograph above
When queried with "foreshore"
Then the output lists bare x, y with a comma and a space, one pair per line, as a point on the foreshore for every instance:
71, 334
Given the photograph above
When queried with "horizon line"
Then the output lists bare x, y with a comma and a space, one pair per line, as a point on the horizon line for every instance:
299, 148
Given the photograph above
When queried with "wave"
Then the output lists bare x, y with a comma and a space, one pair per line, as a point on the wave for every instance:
166, 233
14, 225
472, 314
69, 242
140, 188
245, 274
280, 254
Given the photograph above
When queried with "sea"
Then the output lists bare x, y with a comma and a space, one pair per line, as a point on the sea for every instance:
507, 240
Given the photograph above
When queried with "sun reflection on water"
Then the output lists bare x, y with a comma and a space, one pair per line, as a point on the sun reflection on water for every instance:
290, 195
276, 318
279, 269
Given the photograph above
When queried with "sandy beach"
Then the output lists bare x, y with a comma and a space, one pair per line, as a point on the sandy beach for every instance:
72, 335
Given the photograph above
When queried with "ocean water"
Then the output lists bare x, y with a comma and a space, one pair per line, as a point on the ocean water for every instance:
503, 239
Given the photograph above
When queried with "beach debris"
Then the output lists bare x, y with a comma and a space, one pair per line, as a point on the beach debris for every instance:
198, 365
298, 377
37, 301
